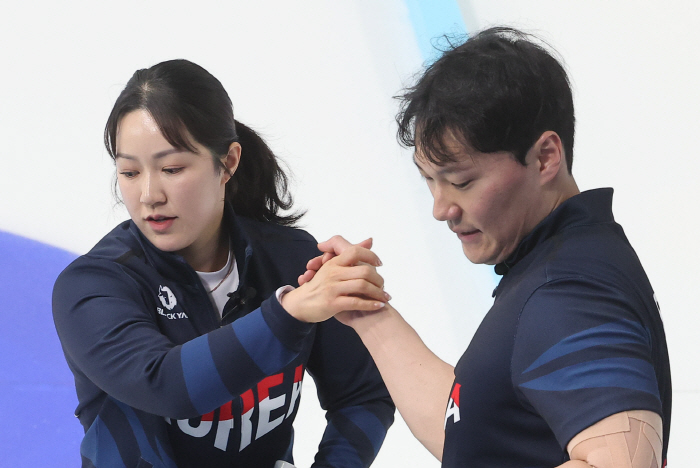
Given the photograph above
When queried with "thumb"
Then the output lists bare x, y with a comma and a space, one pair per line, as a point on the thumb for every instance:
367, 243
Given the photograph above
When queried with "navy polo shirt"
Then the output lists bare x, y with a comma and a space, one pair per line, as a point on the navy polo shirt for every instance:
574, 336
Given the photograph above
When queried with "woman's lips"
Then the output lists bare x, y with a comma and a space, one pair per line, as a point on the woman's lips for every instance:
160, 223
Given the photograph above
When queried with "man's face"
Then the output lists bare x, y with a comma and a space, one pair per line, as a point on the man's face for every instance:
490, 201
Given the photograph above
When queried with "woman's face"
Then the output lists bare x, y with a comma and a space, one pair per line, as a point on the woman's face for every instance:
175, 196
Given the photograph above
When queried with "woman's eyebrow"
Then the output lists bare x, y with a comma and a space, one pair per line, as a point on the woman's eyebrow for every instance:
158, 155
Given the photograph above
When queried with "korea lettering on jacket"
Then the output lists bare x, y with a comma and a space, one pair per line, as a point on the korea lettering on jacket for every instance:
258, 411
452, 413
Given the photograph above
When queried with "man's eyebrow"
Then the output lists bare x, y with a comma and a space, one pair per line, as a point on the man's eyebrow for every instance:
158, 155
447, 169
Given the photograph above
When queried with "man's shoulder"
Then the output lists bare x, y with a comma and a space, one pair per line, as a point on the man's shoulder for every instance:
584, 277
580, 265
598, 252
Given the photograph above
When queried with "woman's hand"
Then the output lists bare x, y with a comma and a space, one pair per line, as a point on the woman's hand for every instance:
330, 248
346, 280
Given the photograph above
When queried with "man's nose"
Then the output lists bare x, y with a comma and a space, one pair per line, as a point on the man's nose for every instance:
444, 207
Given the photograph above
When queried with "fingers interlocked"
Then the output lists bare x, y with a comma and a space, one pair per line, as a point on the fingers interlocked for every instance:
348, 280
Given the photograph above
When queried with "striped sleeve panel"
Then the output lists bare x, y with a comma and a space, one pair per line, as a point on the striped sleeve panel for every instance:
223, 364
353, 437
581, 355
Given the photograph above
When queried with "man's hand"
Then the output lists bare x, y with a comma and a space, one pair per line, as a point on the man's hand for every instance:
348, 280
333, 247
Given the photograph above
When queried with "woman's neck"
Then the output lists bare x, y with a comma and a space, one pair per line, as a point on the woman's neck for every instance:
209, 255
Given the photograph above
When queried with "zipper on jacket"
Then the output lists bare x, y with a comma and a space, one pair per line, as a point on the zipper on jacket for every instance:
238, 299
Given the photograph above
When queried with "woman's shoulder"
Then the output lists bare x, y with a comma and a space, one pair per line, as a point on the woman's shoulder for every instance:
115, 244
273, 232
288, 248
107, 255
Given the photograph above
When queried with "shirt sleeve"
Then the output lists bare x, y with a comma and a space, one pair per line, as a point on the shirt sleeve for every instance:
358, 408
109, 336
581, 353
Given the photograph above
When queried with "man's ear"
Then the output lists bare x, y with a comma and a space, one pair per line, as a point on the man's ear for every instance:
549, 154
232, 160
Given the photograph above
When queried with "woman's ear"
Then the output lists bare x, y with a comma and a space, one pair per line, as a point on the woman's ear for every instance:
232, 160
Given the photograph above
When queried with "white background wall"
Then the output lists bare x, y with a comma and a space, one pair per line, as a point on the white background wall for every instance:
316, 79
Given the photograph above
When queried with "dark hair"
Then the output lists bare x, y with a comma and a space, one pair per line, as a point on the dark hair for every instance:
183, 98
497, 91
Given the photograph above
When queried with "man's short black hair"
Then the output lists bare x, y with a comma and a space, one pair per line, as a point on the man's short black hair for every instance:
497, 91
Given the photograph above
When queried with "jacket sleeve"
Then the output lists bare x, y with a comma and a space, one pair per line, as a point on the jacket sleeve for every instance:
358, 408
109, 335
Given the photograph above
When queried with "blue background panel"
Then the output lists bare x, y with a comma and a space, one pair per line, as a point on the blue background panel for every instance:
37, 394
432, 20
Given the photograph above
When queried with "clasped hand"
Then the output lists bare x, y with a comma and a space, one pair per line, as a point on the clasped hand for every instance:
344, 278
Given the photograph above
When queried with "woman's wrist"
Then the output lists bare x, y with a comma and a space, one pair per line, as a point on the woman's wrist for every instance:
291, 302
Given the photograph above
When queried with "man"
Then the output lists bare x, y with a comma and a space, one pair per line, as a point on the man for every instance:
569, 367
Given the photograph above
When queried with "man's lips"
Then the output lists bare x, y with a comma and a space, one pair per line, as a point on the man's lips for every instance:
466, 235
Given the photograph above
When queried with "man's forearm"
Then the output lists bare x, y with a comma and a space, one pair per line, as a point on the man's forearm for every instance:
419, 382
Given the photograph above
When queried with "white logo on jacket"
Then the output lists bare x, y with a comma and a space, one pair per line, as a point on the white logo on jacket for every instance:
167, 298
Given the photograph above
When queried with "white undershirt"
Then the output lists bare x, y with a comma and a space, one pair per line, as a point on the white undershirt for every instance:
211, 278
219, 298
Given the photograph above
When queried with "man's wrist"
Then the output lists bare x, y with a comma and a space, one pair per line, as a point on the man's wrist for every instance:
375, 328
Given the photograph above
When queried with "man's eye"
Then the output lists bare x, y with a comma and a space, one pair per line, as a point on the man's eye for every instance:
172, 170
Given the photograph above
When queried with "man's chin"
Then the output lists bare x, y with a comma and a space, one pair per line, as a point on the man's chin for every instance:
479, 257
476, 258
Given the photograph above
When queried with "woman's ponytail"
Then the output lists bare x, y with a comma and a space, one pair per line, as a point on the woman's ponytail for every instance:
259, 187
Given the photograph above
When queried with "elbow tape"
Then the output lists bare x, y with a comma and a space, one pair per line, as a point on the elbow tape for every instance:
627, 440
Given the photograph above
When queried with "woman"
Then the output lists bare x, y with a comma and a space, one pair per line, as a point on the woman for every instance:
171, 324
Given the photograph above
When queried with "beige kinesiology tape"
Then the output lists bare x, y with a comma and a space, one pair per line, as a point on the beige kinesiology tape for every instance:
630, 439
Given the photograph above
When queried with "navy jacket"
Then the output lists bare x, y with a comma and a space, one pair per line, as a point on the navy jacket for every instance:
162, 381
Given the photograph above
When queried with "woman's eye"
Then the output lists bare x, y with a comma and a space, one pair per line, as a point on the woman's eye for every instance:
462, 185
128, 174
172, 170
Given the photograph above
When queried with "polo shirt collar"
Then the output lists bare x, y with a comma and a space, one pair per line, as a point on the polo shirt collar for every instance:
589, 207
